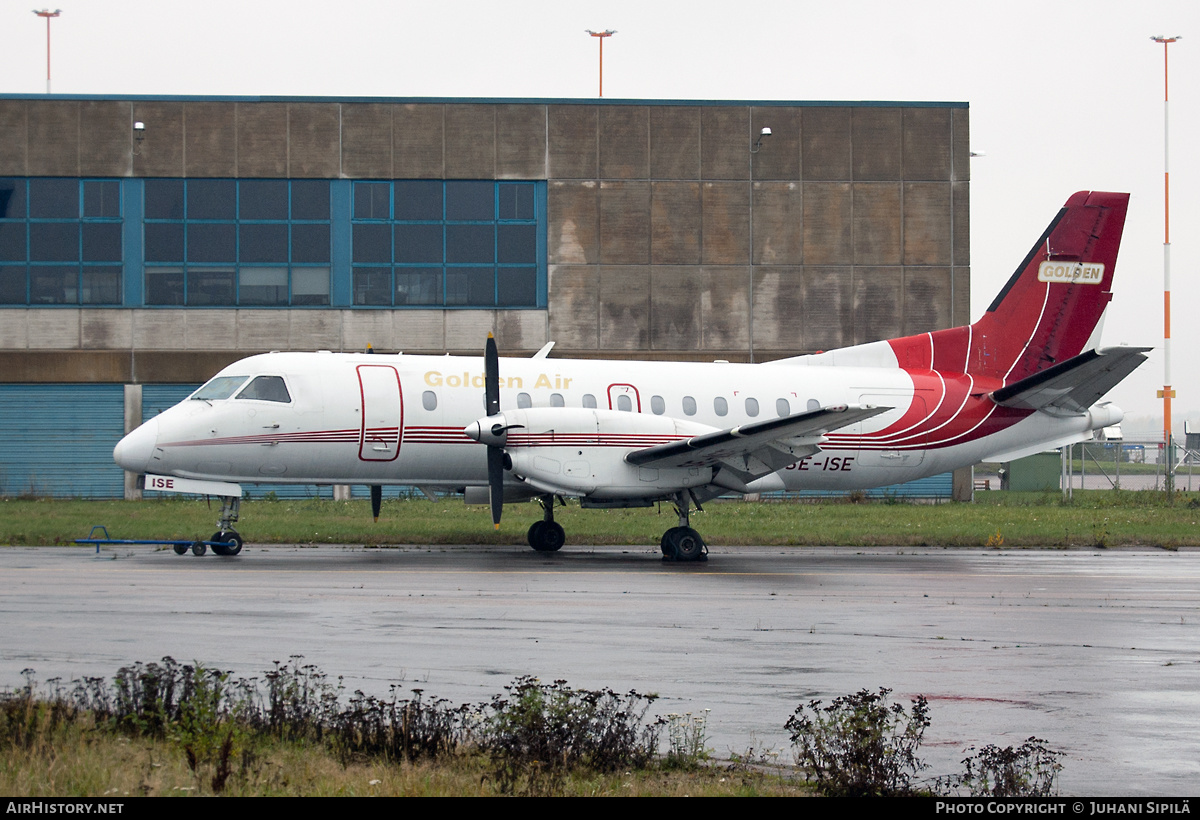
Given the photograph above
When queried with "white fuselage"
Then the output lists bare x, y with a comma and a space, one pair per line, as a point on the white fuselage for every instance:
397, 419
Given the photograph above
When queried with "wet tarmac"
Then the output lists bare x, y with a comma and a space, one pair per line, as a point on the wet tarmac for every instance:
1098, 652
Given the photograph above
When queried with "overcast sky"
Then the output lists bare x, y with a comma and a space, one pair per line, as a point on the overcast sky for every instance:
1065, 95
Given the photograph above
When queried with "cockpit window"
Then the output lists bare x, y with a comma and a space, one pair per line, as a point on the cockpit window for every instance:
222, 387
266, 388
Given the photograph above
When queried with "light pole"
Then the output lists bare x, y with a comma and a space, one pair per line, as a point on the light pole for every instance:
48, 15
601, 35
1166, 394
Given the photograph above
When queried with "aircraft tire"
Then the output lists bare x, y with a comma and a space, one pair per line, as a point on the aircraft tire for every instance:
683, 544
547, 536
227, 536
199, 548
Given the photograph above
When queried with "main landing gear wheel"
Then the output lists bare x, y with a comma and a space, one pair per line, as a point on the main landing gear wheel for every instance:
683, 544
546, 536
231, 542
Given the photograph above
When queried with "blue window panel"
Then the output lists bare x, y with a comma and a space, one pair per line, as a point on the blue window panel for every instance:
263, 242
515, 201
53, 198
418, 200
419, 244
101, 241
517, 244
311, 198
102, 199
310, 243
14, 284
164, 198
372, 243
54, 241
13, 199
211, 242
372, 286
372, 200
211, 287
53, 285
516, 287
471, 244
418, 286
470, 201
263, 199
100, 285
14, 241
211, 199
225, 242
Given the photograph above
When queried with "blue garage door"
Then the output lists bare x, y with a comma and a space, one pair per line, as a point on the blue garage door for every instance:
57, 440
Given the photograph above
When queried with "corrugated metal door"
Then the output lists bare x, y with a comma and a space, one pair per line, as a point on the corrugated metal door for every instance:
57, 440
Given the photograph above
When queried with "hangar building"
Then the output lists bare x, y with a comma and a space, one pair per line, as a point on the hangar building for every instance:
146, 242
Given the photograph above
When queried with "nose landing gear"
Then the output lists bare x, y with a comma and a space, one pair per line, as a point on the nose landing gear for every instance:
546, 535
225, 540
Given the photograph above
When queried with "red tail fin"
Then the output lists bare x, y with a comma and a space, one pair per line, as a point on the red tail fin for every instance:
1050, 306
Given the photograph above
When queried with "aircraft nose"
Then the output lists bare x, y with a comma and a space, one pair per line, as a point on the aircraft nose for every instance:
134, 451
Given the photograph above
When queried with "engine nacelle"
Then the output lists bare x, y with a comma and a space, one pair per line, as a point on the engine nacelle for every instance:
578, 451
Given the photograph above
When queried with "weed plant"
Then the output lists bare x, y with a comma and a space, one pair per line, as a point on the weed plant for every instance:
860, 745
687, 740
1028, 770
537, 733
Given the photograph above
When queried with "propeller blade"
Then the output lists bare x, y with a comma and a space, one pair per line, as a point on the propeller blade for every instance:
376, 500
491, 376
495, 466
495, 454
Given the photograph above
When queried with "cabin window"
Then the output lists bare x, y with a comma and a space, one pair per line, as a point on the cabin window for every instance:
624, 403
783, 407
222, 387
589, 401
813, 404
658, 405
266, 388
721, 406
523, 401
429, 400
752, 407
689, 405
556, 400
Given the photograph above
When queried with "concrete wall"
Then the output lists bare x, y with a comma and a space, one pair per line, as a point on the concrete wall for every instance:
667, 237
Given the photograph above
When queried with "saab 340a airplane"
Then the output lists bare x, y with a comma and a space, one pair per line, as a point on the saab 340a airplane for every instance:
1026, 377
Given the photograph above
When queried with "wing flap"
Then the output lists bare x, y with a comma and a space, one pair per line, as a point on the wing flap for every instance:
1071, 387
752, 450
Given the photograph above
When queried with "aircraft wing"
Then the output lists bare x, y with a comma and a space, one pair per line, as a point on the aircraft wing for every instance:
753, 450
1072, 386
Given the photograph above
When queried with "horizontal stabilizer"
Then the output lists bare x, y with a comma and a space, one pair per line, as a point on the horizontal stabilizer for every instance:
759, 448
1071, 387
